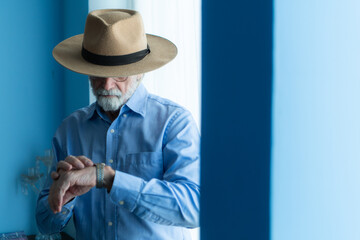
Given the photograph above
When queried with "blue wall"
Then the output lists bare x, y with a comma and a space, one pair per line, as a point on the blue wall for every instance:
316, 120
236, 108
36, 94
76, 85
32, 99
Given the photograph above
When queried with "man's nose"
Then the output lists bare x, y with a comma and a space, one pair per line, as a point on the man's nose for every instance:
108, 83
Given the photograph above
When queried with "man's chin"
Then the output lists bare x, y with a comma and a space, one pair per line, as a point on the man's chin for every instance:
109, 96
109, 109
108, 106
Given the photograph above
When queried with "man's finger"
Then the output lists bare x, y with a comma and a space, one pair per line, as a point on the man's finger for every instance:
57, 192
55, 175
75, 162
67, 197
86, 161
64, 185
65, 166
53, 197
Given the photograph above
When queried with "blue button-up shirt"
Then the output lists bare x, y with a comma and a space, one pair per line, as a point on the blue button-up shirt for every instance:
154, 147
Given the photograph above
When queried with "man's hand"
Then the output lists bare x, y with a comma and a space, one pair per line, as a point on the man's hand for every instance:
69, 185
75, 176
71, 163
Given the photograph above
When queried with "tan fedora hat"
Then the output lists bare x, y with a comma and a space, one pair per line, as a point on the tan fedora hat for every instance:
114, 44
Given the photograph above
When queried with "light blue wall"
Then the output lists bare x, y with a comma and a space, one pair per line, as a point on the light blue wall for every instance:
36, 94
316, 120
76, 86
31, 96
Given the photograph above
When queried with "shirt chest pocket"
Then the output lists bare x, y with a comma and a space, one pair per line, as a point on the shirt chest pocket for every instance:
146, 165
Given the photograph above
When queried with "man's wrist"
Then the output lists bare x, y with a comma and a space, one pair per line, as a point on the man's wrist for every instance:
100, 175
109, 175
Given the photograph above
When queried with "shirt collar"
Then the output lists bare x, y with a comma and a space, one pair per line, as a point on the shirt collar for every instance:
136, 103
91, 111
138, 100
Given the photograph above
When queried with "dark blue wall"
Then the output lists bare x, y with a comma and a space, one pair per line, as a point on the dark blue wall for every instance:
236, 119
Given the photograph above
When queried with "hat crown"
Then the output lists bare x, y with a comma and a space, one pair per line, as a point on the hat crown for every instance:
114, 44
114, 32
111, 17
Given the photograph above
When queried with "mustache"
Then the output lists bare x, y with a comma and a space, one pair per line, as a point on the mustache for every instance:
104, 92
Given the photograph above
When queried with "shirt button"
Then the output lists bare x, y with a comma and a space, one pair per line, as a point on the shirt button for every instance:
64, 212
111, 161
124, 115
121, 202
110, 224
112, 130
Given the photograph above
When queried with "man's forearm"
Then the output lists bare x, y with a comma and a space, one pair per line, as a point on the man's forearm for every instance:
69, 185
109, 175
159, 201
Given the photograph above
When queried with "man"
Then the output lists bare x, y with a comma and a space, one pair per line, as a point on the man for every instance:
127, 166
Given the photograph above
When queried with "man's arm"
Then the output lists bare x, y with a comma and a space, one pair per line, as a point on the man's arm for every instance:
173, 200
47, 221
70, 185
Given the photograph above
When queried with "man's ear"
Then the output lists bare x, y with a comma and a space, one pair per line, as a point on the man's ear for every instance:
140, 77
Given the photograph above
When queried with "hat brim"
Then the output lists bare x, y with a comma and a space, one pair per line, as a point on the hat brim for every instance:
68, 54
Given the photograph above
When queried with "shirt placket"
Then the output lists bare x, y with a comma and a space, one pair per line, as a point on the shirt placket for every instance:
110, 210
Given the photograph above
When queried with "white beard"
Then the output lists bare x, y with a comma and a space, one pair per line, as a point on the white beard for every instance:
118, 100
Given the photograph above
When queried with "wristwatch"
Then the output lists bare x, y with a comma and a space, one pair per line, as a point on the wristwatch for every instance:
100, 175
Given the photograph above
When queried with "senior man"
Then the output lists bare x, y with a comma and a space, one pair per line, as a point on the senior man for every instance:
127, 166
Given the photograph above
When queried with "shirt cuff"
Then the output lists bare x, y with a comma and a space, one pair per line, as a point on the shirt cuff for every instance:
126, 190
67, 208
65, 214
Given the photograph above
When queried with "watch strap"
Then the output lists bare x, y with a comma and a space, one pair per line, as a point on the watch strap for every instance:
100, 175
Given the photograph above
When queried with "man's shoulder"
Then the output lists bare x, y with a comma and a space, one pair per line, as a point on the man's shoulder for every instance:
166, 110
160, 102
79, 115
